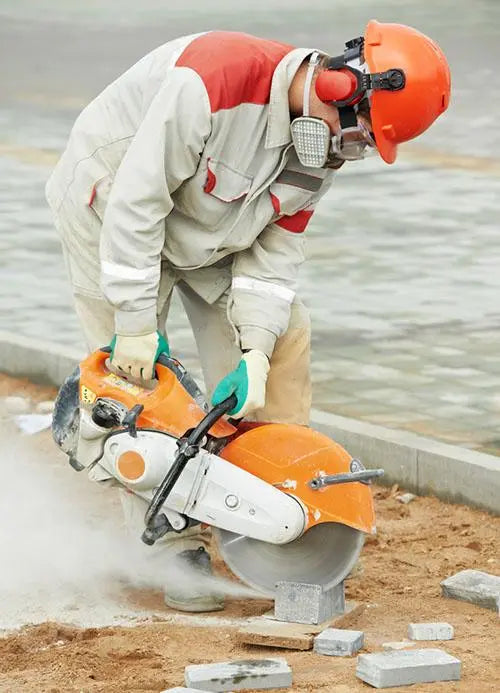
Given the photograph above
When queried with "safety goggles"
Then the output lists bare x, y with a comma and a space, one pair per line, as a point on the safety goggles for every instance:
353, 143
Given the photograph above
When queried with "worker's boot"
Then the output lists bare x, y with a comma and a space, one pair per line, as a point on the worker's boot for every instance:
190, 587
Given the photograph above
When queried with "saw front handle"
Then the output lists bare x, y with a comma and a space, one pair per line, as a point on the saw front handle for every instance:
188, 448
364, 475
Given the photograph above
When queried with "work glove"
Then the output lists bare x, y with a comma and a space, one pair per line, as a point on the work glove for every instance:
247, 382
136, 355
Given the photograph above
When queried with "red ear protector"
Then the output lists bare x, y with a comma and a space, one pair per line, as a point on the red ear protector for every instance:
342, 85
339, 87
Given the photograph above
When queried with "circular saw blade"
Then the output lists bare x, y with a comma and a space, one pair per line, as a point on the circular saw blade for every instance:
324, 555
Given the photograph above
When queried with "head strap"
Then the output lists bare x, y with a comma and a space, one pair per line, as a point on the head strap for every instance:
313, 61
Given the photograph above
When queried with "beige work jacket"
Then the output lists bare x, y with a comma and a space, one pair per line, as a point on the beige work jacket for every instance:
186, 162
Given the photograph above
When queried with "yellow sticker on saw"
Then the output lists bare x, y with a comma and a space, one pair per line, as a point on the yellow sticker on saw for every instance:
114, 380
87, 396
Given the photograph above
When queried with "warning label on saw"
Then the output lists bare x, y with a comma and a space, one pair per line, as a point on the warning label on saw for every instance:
87, 396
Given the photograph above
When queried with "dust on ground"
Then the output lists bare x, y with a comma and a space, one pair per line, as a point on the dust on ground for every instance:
417, 545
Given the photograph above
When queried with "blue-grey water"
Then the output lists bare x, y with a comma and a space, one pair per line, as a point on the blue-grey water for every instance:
403, 275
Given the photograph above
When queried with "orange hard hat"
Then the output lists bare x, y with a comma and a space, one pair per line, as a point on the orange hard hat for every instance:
398, 116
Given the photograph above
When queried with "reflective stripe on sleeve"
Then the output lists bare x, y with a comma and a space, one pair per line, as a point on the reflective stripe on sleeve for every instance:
134, 274
265, 288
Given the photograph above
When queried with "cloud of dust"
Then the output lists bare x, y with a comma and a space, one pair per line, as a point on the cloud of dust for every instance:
64, 553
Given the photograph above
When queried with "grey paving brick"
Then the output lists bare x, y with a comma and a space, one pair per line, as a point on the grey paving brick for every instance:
238, 675
405, 667
474, 586
430, 631
338, 642
300, 602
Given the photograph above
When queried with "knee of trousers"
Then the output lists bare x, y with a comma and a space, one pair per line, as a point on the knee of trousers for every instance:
288, 390
294, 346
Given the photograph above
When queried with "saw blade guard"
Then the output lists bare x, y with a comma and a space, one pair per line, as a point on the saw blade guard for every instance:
324, 556
289, 456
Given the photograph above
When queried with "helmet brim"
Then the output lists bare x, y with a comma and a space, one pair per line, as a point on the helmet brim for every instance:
387, 148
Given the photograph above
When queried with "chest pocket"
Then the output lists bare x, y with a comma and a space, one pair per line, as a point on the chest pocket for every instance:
292, 191
224, 191
224, 183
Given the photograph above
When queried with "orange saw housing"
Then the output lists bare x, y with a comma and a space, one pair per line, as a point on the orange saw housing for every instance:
284, 455
288, 456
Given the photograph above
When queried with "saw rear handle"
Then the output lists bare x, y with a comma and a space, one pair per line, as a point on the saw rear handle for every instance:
188, 448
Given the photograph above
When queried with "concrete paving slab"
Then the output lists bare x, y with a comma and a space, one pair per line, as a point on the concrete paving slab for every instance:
238, 675
459, 475
353, 610
337, 642
275, 634
44, 362
403, 668
430, 631
475, 587
300, 602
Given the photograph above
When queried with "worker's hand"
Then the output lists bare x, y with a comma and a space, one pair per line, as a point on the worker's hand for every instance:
137, 355
247, 382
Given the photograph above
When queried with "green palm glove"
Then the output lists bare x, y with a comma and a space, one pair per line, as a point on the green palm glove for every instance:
247, 382
136, 355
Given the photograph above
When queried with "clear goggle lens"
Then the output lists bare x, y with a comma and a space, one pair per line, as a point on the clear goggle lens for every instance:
353, 143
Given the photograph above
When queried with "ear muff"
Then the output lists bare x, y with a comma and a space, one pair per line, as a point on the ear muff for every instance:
338, 87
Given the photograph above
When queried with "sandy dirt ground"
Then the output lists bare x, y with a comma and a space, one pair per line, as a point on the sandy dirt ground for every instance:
417, 545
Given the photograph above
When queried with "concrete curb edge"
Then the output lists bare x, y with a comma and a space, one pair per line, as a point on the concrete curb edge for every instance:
421, 465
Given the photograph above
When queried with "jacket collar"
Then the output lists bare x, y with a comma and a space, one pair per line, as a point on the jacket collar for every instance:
278, 120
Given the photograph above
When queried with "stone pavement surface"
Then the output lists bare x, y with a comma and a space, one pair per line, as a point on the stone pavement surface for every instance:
402, 279
404, 306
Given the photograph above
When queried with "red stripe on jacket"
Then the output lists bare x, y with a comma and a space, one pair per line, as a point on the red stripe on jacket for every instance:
236, 68
297, 222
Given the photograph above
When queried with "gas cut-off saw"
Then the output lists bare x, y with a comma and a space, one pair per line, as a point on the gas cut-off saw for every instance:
284, 501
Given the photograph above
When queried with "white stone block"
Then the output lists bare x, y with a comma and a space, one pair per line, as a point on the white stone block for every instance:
474, 586
337, 642
430, 631
403, 668
300, 602
238, 675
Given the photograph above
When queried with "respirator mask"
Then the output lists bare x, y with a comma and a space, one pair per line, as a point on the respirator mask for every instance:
312, 138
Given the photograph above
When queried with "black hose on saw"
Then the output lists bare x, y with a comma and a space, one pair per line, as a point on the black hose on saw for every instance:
188, 448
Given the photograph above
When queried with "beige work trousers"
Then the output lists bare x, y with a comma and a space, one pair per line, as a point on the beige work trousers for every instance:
288, 392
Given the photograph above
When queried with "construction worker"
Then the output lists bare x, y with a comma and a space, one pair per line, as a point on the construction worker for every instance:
200, 168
